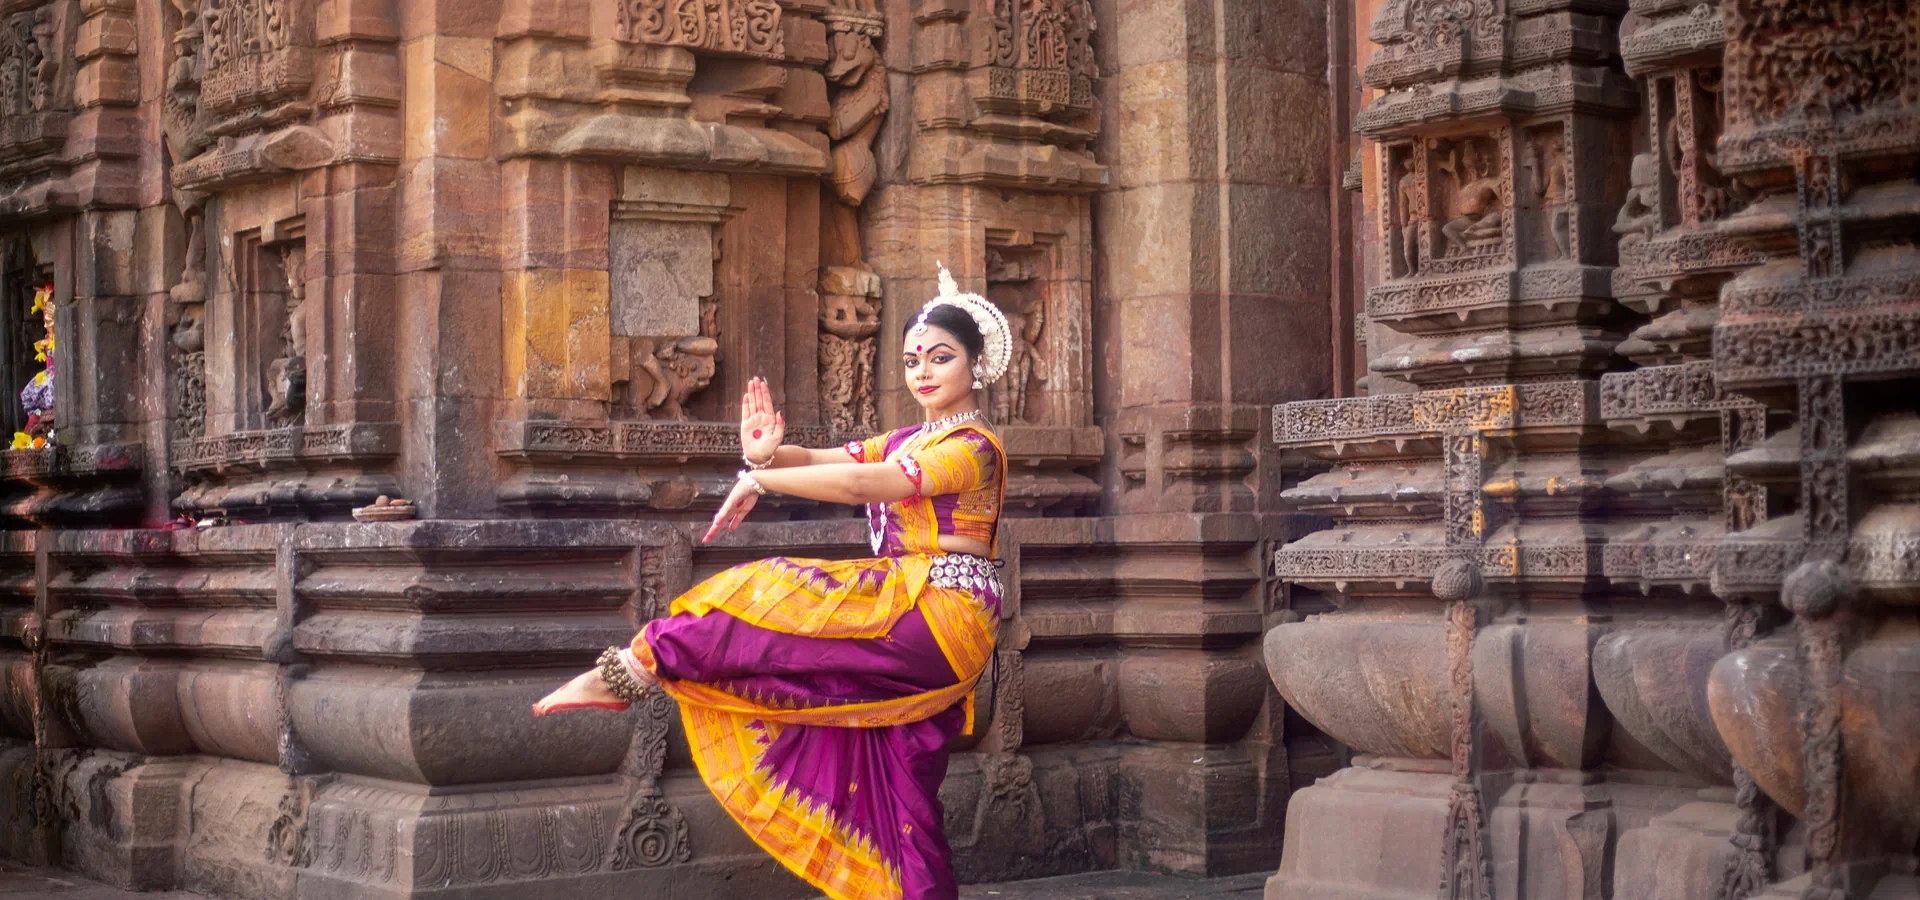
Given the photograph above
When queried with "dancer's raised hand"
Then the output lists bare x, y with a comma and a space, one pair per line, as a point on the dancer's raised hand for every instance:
761, 428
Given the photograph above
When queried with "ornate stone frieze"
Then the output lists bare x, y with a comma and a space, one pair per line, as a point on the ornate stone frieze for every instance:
643, 440
1503, 407
1671, 34
286, 446
1679, 253
256, 62
745, 27
1665, 390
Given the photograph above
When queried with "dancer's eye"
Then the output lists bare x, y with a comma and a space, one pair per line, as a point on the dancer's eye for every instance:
943, 359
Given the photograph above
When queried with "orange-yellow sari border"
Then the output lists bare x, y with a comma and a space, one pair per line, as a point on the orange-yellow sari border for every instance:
867, 876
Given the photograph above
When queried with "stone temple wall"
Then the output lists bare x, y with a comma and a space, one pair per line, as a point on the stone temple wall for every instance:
1622, 543
510, 260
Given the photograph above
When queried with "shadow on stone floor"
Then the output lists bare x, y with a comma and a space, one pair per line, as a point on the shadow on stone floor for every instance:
18, 882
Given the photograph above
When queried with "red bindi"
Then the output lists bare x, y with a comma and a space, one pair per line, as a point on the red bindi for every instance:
756, 434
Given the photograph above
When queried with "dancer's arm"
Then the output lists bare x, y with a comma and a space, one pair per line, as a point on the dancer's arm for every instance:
848, 482
844, 482
790, 456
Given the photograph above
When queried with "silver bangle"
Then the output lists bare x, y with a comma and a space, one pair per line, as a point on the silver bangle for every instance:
754, 466
758, 488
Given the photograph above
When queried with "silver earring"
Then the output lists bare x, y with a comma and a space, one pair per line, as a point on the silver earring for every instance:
977, 385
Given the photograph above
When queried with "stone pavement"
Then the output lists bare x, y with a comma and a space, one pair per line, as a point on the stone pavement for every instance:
1122, 886
18, 882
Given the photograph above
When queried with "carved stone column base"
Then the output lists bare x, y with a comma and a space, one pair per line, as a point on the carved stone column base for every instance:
1552, 831
118, 813
1678, 853
1195, 809
1365, 834
377, 839
22, 836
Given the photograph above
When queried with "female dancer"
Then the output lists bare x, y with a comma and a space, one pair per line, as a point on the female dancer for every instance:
819, 696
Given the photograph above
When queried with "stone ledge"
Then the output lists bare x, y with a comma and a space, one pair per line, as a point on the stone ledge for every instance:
61, 461
663, 441
285, 448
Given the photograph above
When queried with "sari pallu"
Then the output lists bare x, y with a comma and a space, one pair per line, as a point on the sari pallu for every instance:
818, 696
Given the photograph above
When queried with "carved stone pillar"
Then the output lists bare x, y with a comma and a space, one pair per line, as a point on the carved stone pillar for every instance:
1675, 255
1492, 296
1824, 333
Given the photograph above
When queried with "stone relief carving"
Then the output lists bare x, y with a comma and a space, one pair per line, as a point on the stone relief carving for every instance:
287, 373
28, 61
849, 321
1639, 218
1548, 162
1044, 52
1477, 208
1466, 865
1028, 323
860, 101
650, 832
665, 373
182, 122
187, 359
750, 27
255, 54
1410, 192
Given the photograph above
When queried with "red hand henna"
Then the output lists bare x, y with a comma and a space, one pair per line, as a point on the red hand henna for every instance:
756, 434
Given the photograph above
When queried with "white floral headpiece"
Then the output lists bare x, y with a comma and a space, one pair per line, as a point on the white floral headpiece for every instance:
991, 321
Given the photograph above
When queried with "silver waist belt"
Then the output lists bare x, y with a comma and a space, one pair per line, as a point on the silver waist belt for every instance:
965, 572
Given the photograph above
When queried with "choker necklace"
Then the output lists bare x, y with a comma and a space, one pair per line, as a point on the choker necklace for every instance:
939, 425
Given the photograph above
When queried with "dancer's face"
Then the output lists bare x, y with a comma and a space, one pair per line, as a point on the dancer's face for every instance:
939, 372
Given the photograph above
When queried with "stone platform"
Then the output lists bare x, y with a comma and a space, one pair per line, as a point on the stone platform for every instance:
17, 881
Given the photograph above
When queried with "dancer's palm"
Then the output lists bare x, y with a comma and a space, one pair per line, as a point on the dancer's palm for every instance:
761, 428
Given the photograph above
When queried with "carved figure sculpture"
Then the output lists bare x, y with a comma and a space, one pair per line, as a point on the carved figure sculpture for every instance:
1549, 165
667, 372
859, 102
849, 318
1639, 217
935, 490
1477, 206
858, 105
1409, 196
181, 121
287, 390
287, 375
1012, 402
46, 58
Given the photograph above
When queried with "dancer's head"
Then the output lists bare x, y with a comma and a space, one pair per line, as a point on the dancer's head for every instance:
958, 344
941, 350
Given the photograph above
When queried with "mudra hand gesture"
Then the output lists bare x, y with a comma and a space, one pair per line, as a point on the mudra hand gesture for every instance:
761, 428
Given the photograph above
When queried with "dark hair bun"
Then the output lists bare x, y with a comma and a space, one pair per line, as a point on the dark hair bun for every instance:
957, 322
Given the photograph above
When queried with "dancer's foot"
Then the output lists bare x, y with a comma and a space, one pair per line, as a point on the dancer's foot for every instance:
586, 691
